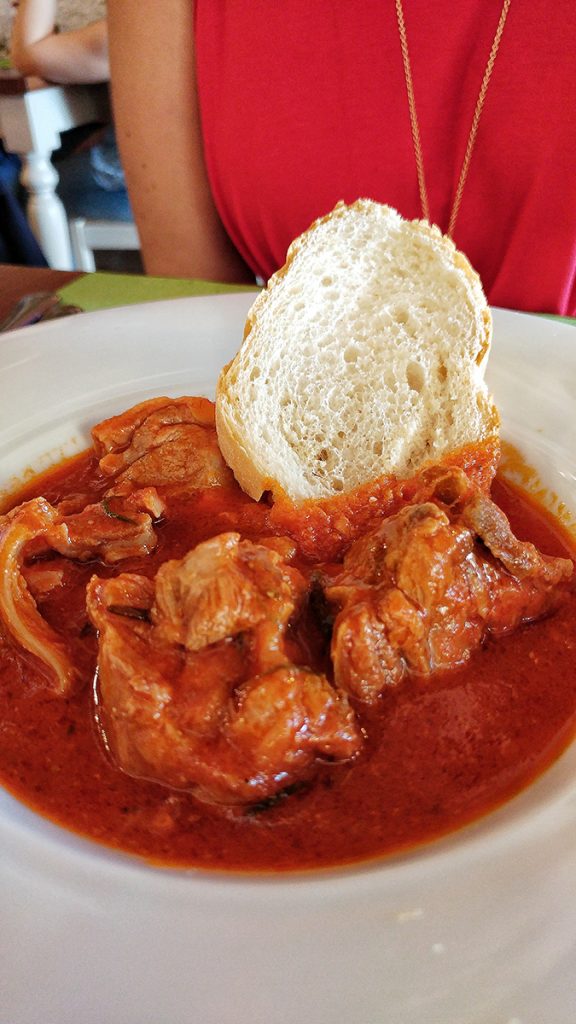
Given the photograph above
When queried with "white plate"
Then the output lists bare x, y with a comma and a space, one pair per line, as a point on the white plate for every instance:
477, 929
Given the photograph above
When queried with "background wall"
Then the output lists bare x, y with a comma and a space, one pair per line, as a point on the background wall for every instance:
71, 14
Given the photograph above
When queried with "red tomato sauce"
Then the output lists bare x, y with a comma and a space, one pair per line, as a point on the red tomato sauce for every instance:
440, 752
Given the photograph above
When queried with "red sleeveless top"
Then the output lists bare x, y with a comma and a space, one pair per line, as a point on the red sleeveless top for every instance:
303, 103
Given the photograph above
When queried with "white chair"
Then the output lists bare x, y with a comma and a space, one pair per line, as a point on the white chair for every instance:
32, 117
86, 236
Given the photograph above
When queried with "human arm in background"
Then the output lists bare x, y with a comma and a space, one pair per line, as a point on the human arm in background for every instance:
78, 56
159, 137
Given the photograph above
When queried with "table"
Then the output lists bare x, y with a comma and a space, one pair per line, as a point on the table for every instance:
18, 281
101, 290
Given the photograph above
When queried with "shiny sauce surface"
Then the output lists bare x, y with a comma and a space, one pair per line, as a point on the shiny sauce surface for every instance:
440, 752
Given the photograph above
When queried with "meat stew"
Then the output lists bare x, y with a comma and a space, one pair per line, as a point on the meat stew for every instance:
181, 680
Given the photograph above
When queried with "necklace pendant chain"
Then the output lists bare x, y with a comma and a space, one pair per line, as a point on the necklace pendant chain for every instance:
475, 119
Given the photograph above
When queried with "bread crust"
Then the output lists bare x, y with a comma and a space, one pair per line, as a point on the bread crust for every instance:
250, 476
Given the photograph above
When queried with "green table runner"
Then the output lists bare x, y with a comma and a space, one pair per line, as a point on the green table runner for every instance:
105, 291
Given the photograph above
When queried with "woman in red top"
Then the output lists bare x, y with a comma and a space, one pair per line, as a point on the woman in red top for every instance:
267, 113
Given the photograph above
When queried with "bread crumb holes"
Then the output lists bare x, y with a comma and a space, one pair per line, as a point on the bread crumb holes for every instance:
415, 376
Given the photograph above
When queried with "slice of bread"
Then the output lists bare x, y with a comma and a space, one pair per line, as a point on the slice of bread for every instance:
364, 356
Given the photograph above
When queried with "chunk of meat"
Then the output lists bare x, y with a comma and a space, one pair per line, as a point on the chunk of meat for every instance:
19, 614
195, 687
42, 580
224, 587
521, 558
422, 591
162, 442
112, 530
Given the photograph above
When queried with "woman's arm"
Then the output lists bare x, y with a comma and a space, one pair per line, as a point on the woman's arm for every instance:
158, 132
36, 49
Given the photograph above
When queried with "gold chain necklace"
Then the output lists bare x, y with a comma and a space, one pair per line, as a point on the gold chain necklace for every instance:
475, 120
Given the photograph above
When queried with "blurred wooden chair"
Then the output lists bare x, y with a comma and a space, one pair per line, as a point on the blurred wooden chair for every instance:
33, 115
